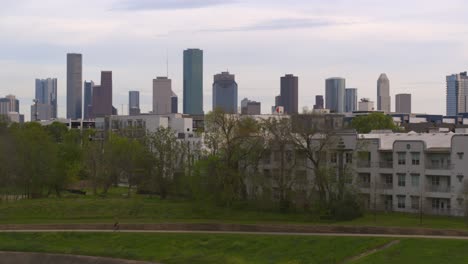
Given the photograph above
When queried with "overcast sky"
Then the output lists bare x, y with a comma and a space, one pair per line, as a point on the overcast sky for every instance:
417, 43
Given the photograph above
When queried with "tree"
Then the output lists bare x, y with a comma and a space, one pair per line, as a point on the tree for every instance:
375, 121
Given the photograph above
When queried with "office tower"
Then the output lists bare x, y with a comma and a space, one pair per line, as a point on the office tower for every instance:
9, 104
46, 93
41, 112
403, 103
289, 94
193, 82
383, 94
350, 100
318, 102
174, 103
250, 107
88, 99
74, 81
133, 103
162, 93
225, 92
102, 96
335, 94
457, 93
366, 105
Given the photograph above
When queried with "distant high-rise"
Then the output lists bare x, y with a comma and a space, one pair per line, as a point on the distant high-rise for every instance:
133, 102
335, 94
403, 103
193, 82
366, 105
250, 107
102, 96
46, 93
289, 95
318, 102
278, 100
162, 93
174, 103
9, 104
88, 99
350, 100
74, 82
383, 94
225, 92
457, 94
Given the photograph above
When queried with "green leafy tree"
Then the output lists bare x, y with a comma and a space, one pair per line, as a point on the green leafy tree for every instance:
374, 121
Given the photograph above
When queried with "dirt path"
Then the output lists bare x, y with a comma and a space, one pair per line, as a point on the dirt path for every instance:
371, 251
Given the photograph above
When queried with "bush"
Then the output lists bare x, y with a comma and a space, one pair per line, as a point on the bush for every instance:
347, 209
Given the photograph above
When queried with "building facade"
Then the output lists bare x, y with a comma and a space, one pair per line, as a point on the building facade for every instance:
225, 92
403, 103
162, 93
133, 102
102, 96
74, 82
319, 102
335, 94
250, 107
289, 94
88, 99
9, 104
174, 103
46, 93
350, 100
366, 105
457, 93
383, 93
193, 82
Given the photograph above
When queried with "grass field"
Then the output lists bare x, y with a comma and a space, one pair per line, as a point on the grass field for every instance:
91, 209
427, 251
194, 248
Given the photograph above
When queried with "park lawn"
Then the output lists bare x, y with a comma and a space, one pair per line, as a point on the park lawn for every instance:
195, 248
140, 209
427, 251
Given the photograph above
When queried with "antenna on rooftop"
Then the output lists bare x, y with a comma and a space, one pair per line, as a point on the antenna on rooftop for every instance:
167, 63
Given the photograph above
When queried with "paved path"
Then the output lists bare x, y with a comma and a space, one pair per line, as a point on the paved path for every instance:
233, 232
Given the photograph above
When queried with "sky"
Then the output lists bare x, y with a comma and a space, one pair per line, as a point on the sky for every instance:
415, 42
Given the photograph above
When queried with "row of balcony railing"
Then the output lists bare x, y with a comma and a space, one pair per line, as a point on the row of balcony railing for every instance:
389, 165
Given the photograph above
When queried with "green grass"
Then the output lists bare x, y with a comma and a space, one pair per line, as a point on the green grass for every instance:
425, 251
138, 209
194, 248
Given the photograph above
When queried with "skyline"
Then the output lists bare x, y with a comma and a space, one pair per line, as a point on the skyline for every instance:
311, 40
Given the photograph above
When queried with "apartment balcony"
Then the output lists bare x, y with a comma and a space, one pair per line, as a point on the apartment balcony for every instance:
363, 164
430, 166
438, 188
386, 164
387, 186
364, 185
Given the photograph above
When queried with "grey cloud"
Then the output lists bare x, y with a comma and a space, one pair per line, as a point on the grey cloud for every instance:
285, 23
138, 5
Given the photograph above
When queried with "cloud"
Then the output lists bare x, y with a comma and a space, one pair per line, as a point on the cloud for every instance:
285, 23
139, 5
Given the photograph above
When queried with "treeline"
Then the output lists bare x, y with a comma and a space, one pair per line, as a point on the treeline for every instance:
263, 164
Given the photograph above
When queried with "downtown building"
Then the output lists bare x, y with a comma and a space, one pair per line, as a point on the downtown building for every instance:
102, 97
88, 100
45, 102
225, 93
249, 107
383, 94
74, 83
351, 100
134, 103
289, 94
335, 94
193, 82
457, 93
403, 103
162, 96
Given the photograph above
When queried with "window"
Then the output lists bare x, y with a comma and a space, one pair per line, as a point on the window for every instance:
349, 158
460, 155
415, 202
401, 201
333, 157
401, 180
401, 158
435, 180
415, 158
389, 179
415, 180
460, 177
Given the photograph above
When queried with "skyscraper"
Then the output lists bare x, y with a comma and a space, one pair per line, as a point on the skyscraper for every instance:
289, 94
335, 94
383, 94
193, 82
457, 93
162, 93
250, 107
318, 102
133, 102
74, 81
46, 94
225, 92
102, 96
88, 99
174, 103
9, 104
403, 103
350, 100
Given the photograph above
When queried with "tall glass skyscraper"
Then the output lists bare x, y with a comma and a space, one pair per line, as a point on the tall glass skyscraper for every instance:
88, 99
290, 94
133, 102
335, 94
193, 82
225, 92
46, 94
350, 100
457, 94
383, 93
74, 82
